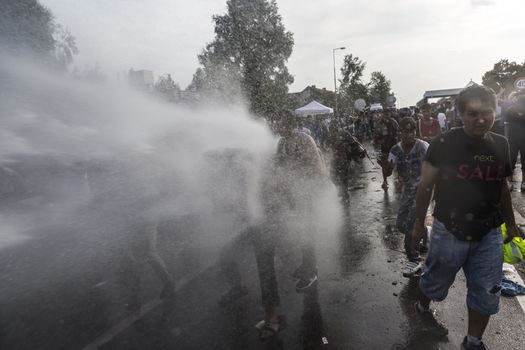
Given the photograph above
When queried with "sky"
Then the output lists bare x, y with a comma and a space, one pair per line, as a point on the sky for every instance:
418, 44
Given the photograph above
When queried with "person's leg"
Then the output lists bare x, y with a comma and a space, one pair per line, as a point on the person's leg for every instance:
264, 246
445, 257
483, 271
383, 160
405, 221
346, 182
477, 323
306, 273
341, 179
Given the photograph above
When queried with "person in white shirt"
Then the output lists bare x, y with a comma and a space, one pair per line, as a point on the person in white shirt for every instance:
442, 119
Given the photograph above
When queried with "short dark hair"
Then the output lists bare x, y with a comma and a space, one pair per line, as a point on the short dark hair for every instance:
426, 106
407, 124
476, 92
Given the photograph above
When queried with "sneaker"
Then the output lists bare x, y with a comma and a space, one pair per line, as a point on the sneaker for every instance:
466, 346
430, 323
411, 268
305, 283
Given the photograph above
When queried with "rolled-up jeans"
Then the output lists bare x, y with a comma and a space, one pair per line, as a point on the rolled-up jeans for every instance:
482, 263
406, 217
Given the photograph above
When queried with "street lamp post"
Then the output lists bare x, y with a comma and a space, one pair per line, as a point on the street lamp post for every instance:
335, 81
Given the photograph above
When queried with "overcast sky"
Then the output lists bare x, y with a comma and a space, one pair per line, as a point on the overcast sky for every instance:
419, 44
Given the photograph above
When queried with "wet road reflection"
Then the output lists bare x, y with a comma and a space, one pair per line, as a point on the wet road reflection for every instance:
353, 248
417, 337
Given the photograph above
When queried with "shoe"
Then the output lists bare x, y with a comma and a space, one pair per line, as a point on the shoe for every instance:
466, 346
429, 322
411, 268
305, 283
268, 330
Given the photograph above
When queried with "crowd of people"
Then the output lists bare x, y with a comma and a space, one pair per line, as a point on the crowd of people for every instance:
458, 155
454, 154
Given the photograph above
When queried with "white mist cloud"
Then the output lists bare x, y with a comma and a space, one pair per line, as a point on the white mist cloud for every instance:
482, 2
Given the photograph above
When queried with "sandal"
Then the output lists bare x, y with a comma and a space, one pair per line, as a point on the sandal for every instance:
269, 330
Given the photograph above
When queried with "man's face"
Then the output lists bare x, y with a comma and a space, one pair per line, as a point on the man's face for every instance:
408, 137
426, 113
478, 118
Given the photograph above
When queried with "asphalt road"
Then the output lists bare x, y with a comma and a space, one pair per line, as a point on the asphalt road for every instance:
59, 291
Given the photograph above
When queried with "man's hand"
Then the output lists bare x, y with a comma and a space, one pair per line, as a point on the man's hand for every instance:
513, 231
418, 232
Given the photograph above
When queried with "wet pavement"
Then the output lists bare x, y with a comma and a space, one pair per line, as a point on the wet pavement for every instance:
360, 302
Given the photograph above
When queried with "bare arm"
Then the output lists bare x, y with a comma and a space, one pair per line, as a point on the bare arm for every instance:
429, 174
508, 213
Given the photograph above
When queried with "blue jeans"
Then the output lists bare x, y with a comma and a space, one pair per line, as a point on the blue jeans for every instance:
406, 217
482, 263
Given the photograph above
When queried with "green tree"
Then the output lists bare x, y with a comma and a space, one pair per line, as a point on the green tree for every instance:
351, 85
248, 55
65, 46
503, 74
351, 82
28, 28
379, 88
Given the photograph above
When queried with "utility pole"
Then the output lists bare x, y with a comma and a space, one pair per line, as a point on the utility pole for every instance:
335, 80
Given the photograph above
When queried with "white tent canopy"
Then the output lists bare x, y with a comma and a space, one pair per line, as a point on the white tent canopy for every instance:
313, 108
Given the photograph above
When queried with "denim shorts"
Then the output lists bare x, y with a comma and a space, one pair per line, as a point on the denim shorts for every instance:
482, 263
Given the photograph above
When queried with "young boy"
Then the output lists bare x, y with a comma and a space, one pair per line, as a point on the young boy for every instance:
408, 156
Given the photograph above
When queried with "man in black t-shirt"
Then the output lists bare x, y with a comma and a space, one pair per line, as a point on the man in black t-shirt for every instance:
345, 148
385, 137
466, 168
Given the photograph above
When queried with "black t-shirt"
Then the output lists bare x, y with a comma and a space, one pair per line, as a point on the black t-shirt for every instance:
468, 188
